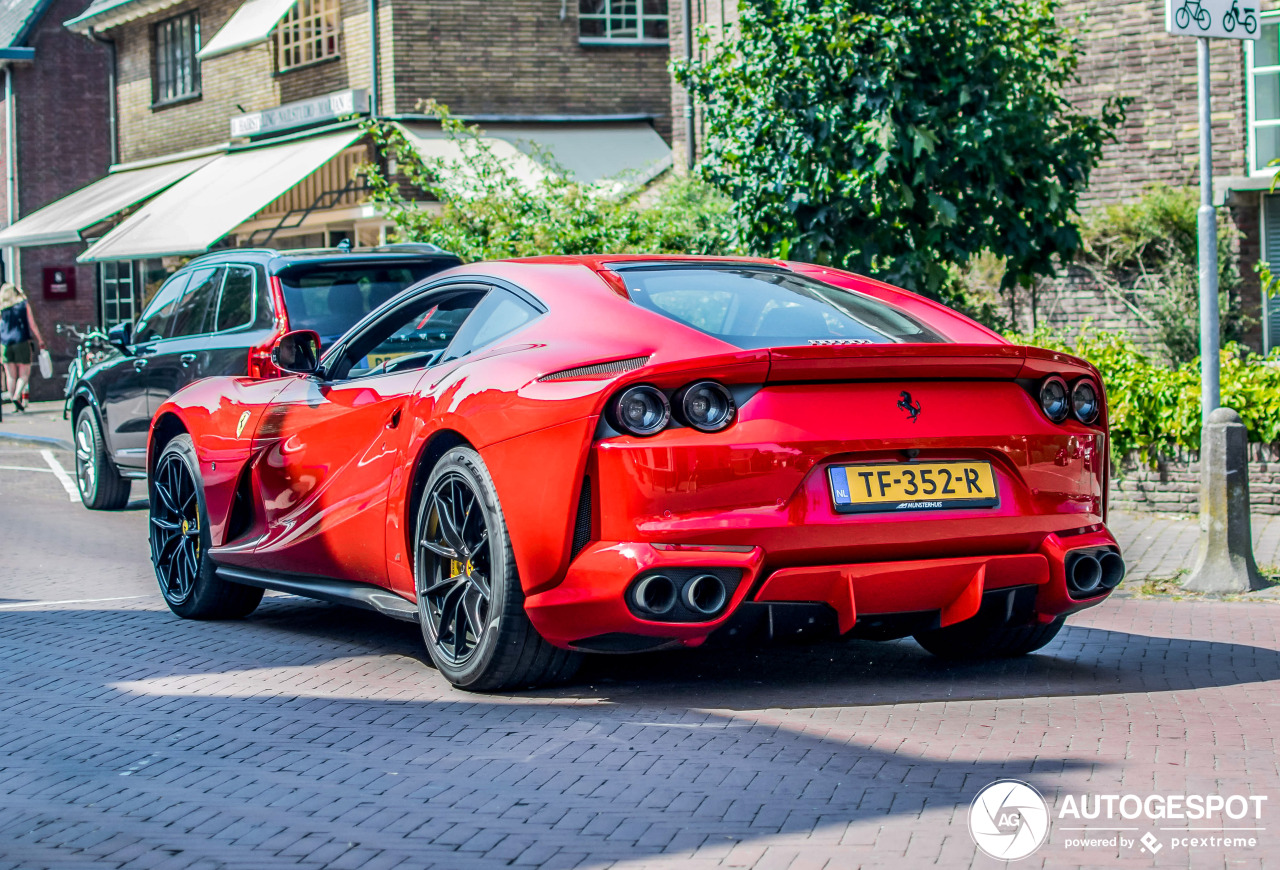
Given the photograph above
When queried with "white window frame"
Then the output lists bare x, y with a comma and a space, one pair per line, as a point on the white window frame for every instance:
309, 23
1266, 18
608, 17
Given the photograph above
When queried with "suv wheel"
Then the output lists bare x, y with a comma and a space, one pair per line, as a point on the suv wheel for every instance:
100, 484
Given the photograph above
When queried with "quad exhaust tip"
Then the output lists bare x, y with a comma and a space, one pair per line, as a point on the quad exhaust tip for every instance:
705, 594
1088, 574
656, 594
1113, 569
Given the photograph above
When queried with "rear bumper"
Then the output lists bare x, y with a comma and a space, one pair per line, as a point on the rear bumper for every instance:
589, 608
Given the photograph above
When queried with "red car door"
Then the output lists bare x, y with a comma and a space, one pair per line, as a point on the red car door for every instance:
331, 443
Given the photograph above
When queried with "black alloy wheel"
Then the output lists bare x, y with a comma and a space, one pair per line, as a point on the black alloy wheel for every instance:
101, 486
175, 529
180, 541
470, 602
457, 592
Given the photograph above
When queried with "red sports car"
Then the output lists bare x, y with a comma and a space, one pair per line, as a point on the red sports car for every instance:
541, 457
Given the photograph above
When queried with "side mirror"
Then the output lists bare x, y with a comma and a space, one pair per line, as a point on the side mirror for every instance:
121, 335
297, 352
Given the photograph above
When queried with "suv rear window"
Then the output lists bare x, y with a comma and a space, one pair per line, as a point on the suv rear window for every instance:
330, 299
754, 307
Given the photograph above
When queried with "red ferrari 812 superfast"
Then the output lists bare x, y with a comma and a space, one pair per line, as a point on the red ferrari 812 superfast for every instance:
538, 458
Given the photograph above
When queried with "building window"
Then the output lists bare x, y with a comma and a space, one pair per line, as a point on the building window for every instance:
177, 71
622, 21
308, 33
1264, 95
119, 303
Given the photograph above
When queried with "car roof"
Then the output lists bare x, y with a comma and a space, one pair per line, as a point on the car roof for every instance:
276, 261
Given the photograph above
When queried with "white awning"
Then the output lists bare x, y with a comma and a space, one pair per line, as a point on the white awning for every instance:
63, 221
198, 211
623, 153
252, 23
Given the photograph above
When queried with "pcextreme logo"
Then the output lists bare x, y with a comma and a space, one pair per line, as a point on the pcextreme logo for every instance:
1009, 820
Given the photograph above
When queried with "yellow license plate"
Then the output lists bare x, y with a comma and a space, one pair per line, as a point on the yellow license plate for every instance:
902, 486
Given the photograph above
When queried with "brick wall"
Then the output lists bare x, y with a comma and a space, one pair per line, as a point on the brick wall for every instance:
244, 79
1173, 485
63, 144
1127, 53
519, 57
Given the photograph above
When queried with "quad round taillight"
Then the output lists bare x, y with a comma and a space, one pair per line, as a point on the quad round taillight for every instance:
706, 405
1084, 401
641, 410
1054, 398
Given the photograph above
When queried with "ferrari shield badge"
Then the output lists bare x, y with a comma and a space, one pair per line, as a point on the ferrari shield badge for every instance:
244, 418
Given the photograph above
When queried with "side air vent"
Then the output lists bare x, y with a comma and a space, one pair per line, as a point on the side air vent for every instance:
597, 369
582, 524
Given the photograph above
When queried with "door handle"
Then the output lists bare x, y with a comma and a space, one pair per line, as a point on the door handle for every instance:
187, 359
395, 418
139, 365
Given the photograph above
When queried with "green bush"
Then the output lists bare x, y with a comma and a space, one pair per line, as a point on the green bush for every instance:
1145, 249
480, 208
1154, 407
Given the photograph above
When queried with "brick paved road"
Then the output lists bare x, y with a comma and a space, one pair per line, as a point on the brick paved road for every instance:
309, 736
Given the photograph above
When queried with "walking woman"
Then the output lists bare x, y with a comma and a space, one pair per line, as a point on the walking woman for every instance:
17, 327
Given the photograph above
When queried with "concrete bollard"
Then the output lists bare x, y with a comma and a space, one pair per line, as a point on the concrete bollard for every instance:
1225, 563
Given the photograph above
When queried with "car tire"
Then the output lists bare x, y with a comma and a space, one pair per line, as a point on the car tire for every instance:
465, 572
179, 535
100, 484
987, 637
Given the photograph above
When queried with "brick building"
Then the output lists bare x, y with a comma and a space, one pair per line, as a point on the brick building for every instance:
55, 139
237, 121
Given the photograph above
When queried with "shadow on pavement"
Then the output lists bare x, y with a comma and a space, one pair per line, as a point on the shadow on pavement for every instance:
312, 734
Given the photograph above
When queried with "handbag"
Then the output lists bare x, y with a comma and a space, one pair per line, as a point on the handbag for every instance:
46, 363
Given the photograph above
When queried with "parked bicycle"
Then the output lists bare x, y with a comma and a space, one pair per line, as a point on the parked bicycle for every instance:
1193, 10
1232, 17
93, 346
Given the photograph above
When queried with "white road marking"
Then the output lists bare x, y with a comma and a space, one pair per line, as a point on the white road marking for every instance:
25, 468
70, 601
61, 473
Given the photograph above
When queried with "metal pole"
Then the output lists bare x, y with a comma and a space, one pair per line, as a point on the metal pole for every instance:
1207, 226
690, 120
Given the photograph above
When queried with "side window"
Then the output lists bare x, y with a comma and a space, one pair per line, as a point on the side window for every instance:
156, 320
498, 314
263, 316
412, 336
235, 305
194, 312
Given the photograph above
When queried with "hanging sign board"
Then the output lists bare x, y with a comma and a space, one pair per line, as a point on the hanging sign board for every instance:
1223, 19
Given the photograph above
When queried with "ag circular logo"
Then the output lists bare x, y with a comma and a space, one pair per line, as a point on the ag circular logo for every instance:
1009, 820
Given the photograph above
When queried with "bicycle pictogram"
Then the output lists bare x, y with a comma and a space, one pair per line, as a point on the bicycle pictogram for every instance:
1233, 16
1193, 10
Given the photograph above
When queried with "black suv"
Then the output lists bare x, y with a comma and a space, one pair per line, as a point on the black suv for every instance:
221, 314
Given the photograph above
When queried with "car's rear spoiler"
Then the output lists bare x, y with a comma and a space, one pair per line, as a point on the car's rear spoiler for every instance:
918, 361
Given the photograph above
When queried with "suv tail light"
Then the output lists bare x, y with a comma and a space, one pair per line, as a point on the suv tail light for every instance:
260, 364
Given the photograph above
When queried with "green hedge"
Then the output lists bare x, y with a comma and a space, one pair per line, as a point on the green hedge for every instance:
1154, 407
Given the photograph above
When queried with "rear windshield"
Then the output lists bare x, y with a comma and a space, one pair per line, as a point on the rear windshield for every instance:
330, 300
751, 308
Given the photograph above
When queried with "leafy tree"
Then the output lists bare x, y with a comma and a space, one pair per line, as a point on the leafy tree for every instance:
482, 207
900, 138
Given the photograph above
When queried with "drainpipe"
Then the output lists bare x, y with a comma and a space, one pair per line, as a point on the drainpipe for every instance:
111, 92
12, 272
373, 54
690, 126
